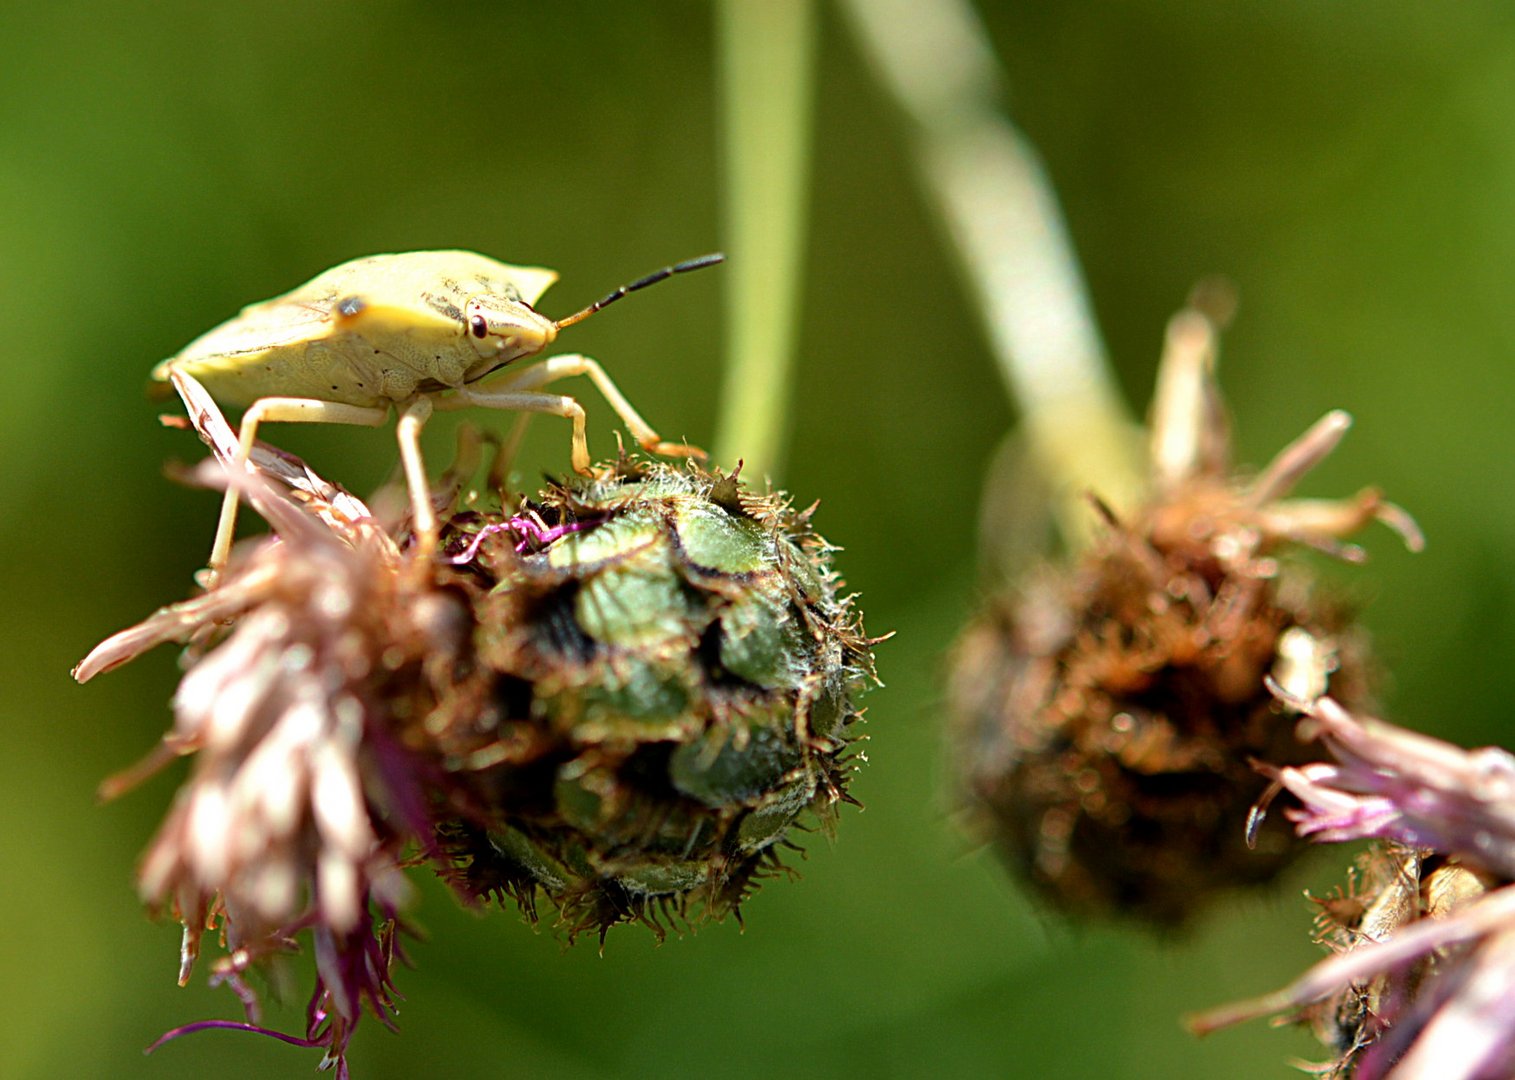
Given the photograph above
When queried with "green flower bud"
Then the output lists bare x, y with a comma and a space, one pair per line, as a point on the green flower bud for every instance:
671, 681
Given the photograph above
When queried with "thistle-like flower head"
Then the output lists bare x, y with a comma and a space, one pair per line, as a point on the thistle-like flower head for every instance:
1422, 983
299, 809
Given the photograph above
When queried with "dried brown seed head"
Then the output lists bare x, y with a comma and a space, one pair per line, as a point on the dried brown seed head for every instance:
1109, 713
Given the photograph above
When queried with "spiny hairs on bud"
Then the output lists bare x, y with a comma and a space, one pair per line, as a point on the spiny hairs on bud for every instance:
625, 697
1108, 713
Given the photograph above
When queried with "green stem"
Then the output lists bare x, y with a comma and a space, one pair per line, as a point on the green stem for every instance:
1004, 221
767, 48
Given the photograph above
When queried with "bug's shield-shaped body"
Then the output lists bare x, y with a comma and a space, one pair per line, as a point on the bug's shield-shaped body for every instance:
400, 331
375, 331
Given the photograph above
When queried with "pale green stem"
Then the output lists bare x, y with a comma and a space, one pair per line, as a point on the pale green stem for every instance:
767, 63
1003, 218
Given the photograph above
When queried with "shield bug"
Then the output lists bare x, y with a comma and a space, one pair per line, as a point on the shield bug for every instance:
413, 332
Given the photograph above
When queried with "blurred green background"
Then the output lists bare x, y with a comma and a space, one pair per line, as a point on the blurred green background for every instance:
1351, 166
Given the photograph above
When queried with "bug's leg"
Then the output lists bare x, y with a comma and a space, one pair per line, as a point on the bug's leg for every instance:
504, 458
563, 367
423, 515
465, 462
507, 397
277, 410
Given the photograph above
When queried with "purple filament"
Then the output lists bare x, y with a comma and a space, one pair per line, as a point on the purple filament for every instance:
528, 530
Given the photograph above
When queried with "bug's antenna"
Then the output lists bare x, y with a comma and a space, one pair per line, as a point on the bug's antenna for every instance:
642, 283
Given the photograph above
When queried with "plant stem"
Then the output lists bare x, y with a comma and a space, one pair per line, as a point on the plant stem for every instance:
1003, 218
767, 47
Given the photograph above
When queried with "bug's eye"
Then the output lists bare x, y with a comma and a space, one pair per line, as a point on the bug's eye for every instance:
478, 325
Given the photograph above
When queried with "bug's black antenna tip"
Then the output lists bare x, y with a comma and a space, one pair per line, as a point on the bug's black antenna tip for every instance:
699, 263
641, 283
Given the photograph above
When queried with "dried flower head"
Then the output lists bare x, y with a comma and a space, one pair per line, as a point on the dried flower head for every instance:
1108, 713
1422, 983
623, 696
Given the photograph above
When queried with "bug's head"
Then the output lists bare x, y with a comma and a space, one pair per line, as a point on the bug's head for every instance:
503, 330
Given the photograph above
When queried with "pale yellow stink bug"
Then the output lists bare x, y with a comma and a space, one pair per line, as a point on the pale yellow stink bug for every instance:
400, 332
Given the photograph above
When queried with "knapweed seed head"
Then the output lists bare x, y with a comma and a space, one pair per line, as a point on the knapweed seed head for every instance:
1108, 712
624, 696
